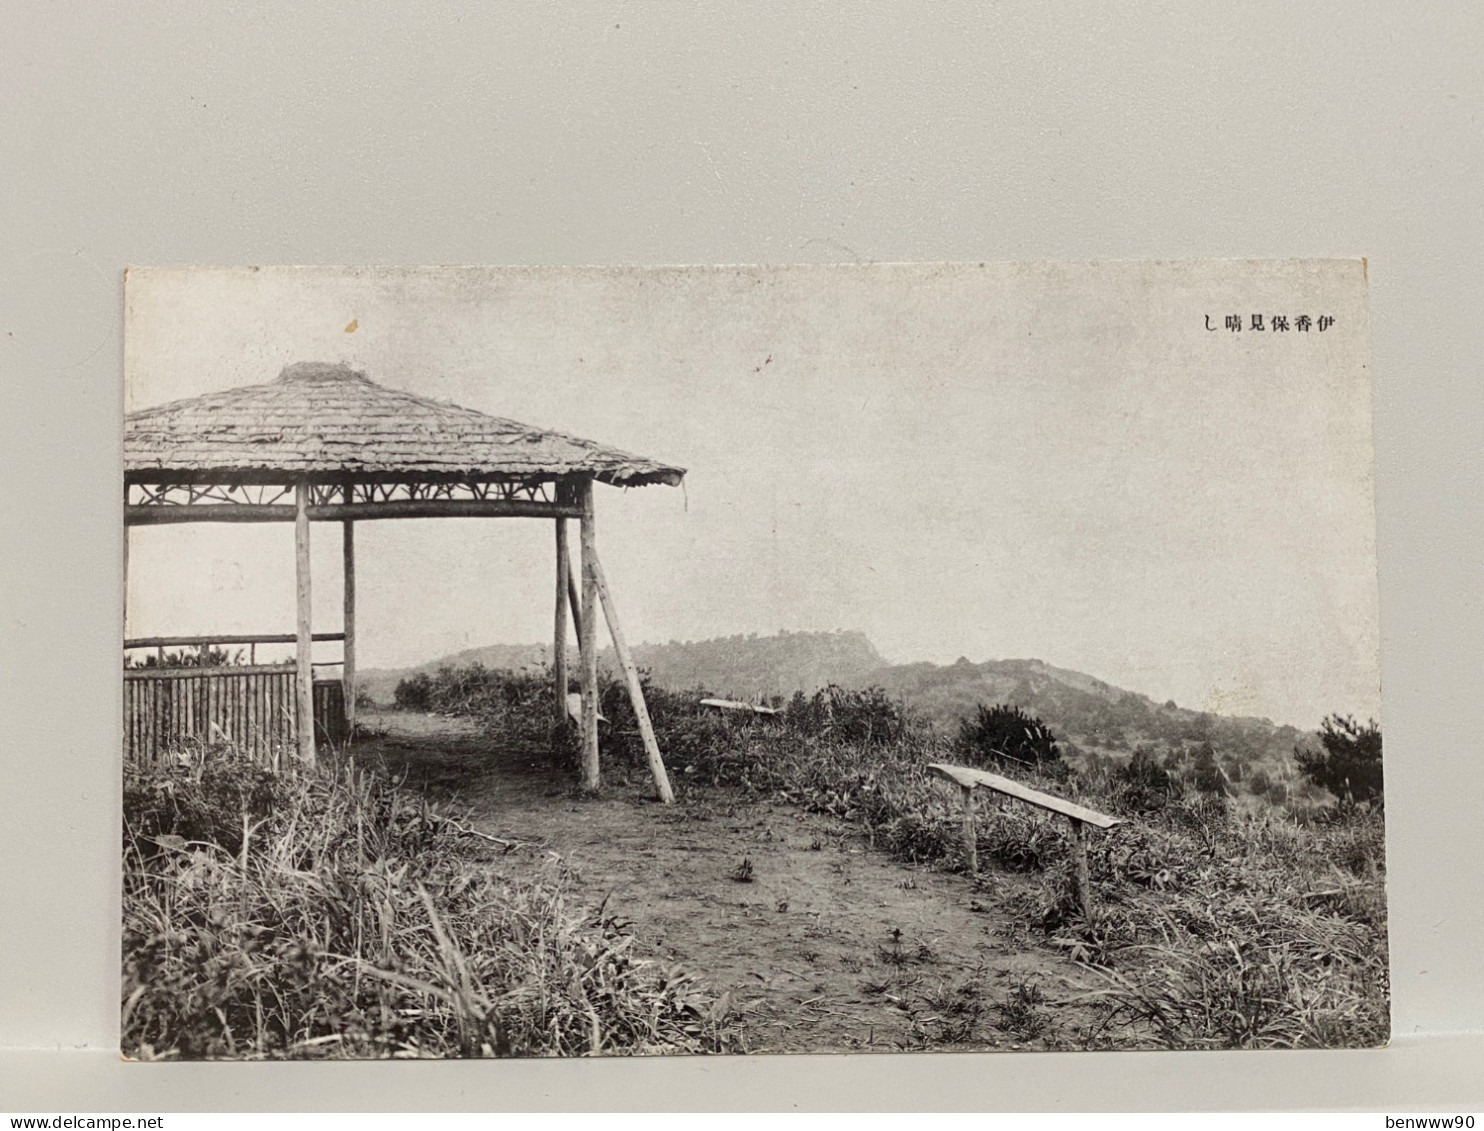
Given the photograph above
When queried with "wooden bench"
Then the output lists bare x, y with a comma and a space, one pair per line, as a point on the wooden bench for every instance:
968, 780
734, 705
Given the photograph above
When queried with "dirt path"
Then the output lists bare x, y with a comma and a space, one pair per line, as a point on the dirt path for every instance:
822, 944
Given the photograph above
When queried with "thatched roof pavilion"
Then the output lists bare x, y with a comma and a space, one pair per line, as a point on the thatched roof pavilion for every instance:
324, 443
331, 424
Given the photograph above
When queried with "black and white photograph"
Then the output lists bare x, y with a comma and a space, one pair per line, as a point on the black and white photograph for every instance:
884, 658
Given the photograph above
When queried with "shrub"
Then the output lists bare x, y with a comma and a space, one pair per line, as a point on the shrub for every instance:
867, 715
188, 658
1144, 785
414, 693
209, 796
1206, 774
1348, 764
1259, 784
691, 737
998, 735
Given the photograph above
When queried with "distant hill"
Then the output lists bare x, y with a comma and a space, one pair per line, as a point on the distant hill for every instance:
1087, 714
748, 666
737, 665
1082, 710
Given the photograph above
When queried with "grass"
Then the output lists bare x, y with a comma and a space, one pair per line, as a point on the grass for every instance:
1221, 921
1255, 935
1021, 1013
331, 914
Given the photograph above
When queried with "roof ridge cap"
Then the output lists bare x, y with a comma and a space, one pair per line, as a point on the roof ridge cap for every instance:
305, 372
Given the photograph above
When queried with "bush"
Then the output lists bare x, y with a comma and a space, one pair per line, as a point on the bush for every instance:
210, 796
689, 735
515, 707
867, 715
414, 693
1002, 734
1259, 784
1144, 785
1348, 764
188, 658
1206, 774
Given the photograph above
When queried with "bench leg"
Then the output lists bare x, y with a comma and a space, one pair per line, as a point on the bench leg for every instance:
971, 841
1081, 879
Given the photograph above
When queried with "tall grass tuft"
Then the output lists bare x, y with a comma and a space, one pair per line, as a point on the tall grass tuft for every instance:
330, 914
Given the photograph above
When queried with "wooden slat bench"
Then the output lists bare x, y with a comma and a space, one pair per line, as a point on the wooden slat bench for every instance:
734, 705
968, 779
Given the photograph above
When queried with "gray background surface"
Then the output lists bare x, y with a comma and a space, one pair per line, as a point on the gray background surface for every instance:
770, 132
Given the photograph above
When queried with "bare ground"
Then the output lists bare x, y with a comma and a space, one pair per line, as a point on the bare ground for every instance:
820, 943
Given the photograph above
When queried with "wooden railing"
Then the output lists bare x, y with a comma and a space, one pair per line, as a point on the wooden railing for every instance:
204, 644
968, 780
250, 705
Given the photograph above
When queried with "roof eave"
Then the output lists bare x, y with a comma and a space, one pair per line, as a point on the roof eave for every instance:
160, 473
666, 477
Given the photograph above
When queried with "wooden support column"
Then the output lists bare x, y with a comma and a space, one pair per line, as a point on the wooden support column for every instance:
1081, 880
559, 635
636, 691
588, 640
126, 575
348, 667
971, 838
303, 670
573, 597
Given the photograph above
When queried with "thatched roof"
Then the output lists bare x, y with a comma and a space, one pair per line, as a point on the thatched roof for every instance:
329, 422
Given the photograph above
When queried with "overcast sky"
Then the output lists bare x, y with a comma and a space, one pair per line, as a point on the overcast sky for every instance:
1001, 461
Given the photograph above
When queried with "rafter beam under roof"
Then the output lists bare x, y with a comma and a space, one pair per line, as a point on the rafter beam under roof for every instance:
155, 515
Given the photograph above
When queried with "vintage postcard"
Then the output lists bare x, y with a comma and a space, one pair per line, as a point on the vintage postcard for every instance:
609, 661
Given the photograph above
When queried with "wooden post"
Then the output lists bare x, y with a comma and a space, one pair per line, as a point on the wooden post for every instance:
559, 635
636, 692
971, 842
1081, 880
126, 573
304, 671
348, 666
588, 640
574, 599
